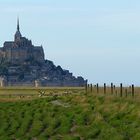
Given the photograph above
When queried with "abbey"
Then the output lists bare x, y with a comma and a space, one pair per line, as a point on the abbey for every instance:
23, 64
21, 49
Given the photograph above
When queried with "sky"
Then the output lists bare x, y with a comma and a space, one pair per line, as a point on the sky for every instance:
96, 39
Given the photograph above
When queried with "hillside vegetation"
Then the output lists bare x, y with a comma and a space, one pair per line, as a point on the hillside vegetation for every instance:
71, 117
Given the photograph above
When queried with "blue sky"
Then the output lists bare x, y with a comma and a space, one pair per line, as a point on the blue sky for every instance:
98, 39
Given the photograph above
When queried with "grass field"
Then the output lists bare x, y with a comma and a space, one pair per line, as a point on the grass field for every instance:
74, 116
13, 93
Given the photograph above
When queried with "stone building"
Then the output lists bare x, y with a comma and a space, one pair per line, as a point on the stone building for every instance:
21, 49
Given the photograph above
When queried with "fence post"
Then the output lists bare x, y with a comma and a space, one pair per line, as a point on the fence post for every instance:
132, 90
97, 86
120, 89
111, 88
114, 87
104, 88
86, 88
91, 88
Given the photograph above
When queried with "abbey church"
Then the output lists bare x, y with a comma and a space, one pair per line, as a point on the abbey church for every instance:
23, 64
21, 49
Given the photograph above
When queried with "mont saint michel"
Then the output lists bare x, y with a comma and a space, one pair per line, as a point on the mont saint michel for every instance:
23, 64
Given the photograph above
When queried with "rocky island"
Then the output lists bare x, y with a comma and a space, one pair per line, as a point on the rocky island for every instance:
23, 64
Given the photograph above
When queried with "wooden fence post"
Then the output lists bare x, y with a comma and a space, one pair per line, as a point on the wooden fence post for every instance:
132, 90
97, 86
111, 88
86, 88
114, 87
104, 88
121, 90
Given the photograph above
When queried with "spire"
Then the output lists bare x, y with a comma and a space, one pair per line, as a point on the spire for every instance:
17, 34
18, 24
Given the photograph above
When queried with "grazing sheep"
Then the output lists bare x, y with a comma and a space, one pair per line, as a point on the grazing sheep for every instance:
41, 93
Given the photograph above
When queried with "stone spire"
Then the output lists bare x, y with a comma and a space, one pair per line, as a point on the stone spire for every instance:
17, 34
18, 24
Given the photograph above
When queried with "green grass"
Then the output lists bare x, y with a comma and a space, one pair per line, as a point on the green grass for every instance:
85, 117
